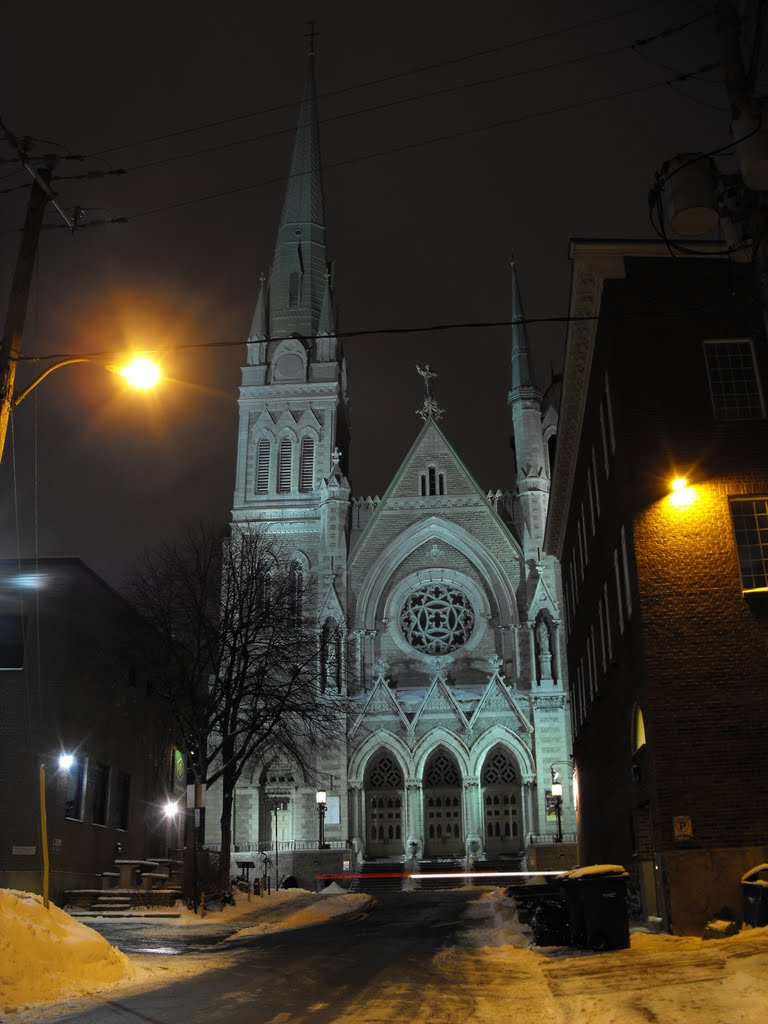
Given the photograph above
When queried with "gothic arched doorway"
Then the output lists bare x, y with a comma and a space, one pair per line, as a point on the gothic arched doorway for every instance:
502, 825
443, 828
384, 807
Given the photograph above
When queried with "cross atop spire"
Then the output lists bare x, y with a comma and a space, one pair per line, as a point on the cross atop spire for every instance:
430, 410
311, 36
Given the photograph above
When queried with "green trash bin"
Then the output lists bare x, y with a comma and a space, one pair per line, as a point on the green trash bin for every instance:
754, 890
596, 900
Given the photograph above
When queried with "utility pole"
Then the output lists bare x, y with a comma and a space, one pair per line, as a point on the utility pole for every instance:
13, 332
739, 85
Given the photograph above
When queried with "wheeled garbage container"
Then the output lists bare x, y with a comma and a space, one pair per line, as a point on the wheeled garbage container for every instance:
596, 901
754, 891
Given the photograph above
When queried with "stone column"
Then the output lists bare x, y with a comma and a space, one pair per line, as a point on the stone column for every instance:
473, 819
414, 819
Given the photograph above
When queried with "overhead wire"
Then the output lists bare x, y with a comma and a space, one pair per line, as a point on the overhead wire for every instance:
406, 147
421, 69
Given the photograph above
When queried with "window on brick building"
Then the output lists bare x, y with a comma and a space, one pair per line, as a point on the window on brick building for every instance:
733, 382
750, 527
638, 730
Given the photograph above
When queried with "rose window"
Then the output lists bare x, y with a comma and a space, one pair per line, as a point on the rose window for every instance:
437, 618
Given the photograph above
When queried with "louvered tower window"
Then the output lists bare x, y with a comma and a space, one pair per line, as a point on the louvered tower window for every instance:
262, 467
284, 461
307, 465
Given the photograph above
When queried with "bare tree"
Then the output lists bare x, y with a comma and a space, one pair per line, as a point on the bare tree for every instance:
239, 657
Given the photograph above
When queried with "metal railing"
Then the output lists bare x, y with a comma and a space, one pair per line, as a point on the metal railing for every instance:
548, 837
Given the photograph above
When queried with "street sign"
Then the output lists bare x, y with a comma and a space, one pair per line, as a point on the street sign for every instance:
682, 826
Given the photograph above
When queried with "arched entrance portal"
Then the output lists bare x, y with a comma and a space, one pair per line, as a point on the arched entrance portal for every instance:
443, 827
501, 804
384, 806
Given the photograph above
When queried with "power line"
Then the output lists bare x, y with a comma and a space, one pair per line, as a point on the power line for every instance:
421, 69
462, 133
475, 325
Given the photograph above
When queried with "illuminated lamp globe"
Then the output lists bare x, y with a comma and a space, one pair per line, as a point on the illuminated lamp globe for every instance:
679, 483
171, 809
141, 373
65, 762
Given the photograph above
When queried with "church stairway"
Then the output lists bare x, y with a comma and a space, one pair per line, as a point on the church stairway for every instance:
441, 867
379, 876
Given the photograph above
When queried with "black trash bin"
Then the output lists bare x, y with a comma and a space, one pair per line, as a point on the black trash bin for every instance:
754, 891
549, 923
596, 901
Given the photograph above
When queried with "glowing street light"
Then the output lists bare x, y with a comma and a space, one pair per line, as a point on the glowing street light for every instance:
65, 762
171, 809
139, 371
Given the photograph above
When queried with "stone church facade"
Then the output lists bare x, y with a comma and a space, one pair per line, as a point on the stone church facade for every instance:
446, 607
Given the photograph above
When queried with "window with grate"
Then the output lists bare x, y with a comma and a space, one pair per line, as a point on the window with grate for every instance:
441, 771
307, 464
385, 774
284, 466
499, 770
733, 382
750, 527
437, 619
262, 466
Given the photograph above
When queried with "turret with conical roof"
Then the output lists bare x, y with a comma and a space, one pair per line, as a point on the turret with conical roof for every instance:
530, 450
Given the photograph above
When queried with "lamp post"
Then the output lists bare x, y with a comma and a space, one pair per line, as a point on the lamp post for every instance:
557, 799
322, 807
138, 371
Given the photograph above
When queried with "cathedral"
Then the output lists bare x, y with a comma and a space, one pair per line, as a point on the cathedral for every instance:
446, 607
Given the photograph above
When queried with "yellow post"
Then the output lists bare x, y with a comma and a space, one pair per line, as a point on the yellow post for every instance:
44, 835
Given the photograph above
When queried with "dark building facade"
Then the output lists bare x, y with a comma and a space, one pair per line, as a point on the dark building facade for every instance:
70, 684
666, 591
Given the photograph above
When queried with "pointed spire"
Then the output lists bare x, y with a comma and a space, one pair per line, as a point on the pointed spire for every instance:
297, 280
326, 325
258, 330
303, 202
521, 373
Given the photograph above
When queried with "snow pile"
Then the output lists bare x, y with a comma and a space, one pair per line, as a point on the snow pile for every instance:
46, 954
315, 910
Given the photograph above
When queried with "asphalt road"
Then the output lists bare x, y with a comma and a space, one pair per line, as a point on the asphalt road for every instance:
322, 974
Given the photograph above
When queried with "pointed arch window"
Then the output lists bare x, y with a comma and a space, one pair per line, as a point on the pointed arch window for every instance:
284, 466
307, 464
293, 289
331, 657
296, 593
262, 466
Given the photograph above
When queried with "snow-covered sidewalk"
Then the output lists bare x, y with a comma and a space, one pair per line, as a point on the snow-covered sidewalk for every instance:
49, 962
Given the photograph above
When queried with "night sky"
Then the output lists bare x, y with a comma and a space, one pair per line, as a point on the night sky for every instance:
424, 211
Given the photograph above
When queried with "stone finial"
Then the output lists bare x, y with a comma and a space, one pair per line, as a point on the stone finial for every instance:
495, 664
380, 669
430, 410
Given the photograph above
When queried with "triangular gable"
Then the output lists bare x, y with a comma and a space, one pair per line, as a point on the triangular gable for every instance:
431, 446
381, 701
439, 698
497, 695
331, 606
286, 419
308, 419
540, 597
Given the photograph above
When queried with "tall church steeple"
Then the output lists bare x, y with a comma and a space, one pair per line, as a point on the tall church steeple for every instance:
530, 450
293, 403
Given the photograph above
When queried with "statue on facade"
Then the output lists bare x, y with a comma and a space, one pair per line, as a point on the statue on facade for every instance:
430, 409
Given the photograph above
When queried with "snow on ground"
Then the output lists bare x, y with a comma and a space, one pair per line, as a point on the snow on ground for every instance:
46, 954
492, 973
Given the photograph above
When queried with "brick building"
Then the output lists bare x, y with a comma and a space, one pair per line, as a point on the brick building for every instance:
449, 611
69, 684
665, 592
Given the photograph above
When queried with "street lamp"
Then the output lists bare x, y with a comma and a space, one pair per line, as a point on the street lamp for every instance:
557, 799
322, 807
138, 371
